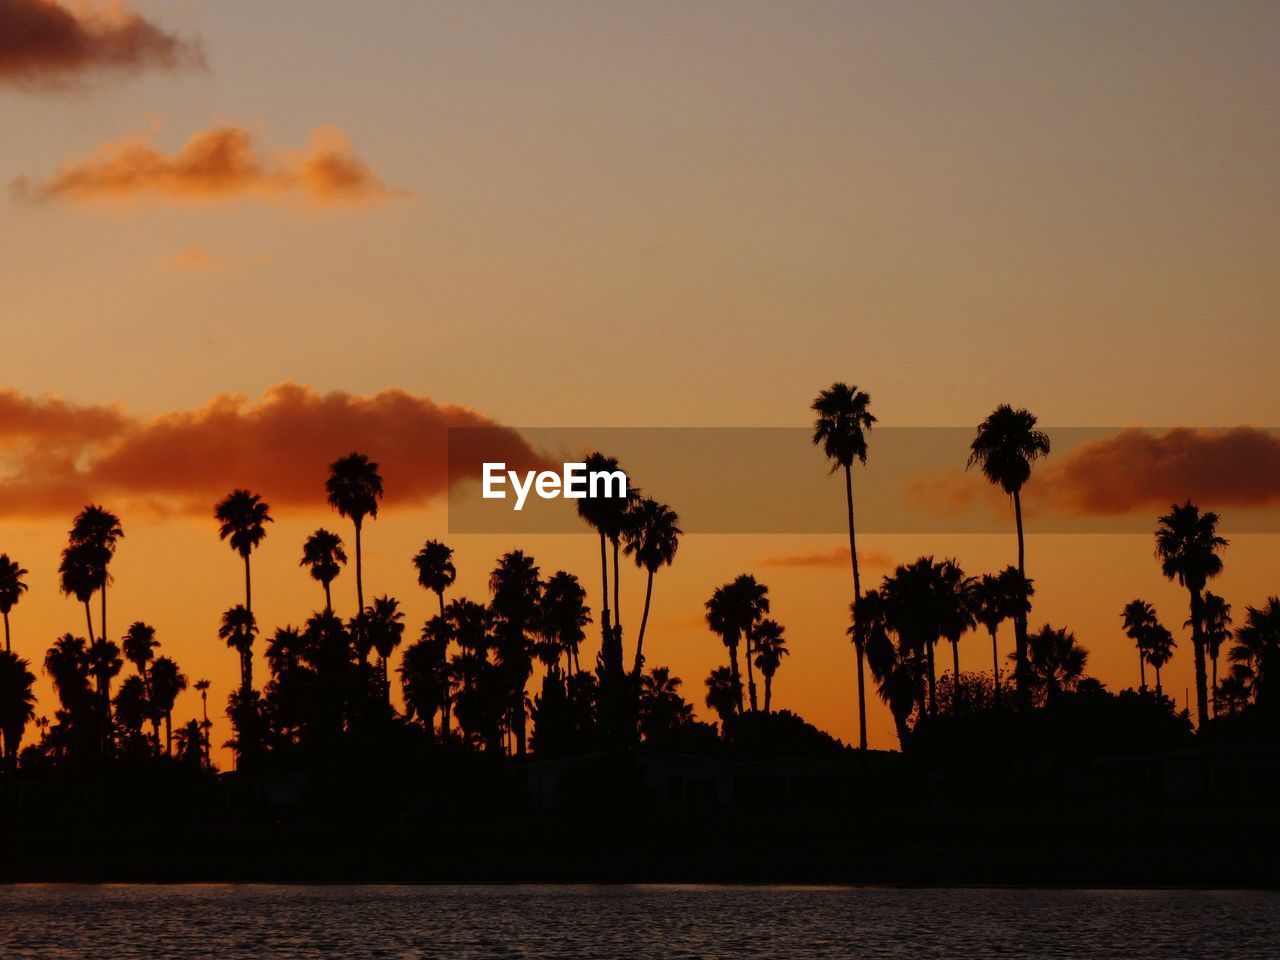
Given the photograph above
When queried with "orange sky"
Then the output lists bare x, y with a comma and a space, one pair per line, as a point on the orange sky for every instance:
675, 214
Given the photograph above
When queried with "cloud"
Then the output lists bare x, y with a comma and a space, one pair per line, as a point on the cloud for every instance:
56, 456
1141, 470
830, 559
220, 163
46, 43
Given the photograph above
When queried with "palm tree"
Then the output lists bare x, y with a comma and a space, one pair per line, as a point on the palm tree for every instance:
205, 725
911, 608
724, 694
732, 611
517, 594
79, 573
606, 516
841, 428
17, 703
424, 676
652, 535
434, 563
354, 489
323, 556
1139, 617
99, 531
191, 745
384, 624
104, 666
238, 629
1215, 627
1158, 645
896, 668
956, 614
771, 647
1056, 662
1187, 544
1005, 447
660, 707
1257, 647
139, 646
563, 615
12, 587
990, 609
167, 681
243, 517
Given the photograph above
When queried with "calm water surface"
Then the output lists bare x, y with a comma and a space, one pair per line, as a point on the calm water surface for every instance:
351, 922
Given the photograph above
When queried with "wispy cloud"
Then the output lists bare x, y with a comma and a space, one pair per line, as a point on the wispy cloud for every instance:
868, 560
220, 163
44, 43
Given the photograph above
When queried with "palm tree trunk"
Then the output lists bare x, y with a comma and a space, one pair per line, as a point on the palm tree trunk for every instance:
617, 604
768, 691
168, 733
328, 600
88, 620
857, 594
737, 676
1197, 642
1021, 687
6, 633
1142, 668
1159, 689
933, 679
359, 573
102, 617
995, 664
955, 674
644, 620
604, 592
751, 673
1213, 697
248, 588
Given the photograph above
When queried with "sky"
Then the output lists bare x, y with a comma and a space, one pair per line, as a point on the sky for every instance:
668, 214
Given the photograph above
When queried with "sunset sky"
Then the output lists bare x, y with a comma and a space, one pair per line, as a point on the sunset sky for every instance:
606, 214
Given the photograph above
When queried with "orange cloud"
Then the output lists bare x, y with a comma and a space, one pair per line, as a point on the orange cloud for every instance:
1140, 470
43, 42
830, 559
56, 456
216, 164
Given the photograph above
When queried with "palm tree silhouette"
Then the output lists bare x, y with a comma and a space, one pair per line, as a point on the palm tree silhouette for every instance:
1215, 627
563, 615
724, 694
79, 573
425, 676
17, 703
167, 681
98, 531
242, 520
771, 647
896, 668
1187, 544
912, 608
434, 563
1139, 617
957, 599
732, 611
205, 725
238, 629
841, 428
1056, 662
139, 646
354, 488
104, 666
323, 556
12, 587
661, 708
990, 609
384, 624
190, 743
1158, 645
606, 515
1257, 648
1005, 447
517, 594
652, 535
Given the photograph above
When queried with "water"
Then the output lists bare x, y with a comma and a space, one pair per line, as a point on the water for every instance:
400, 922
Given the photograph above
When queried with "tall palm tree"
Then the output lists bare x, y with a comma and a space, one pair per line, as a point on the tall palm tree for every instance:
911, 601
354, 488
841, 429
896, 667
517, 593
1158, 646
205, 725
167, 681
79, 573
384, 624
1005, 447
606, 516
652, 535
1257, 648
323, 556
1215, 627
99, 532
12, 587
17, 703
242, 520
1187, 544
238, 630
1056, 662
771, 647
732, 611
104, 666
434, 563
1139, 617
991, 609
